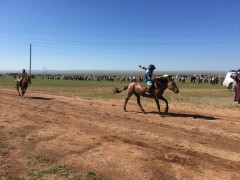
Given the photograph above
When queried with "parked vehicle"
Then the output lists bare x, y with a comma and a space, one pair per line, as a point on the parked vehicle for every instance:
228, 81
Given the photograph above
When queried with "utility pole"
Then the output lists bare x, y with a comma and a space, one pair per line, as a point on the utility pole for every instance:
44, 71
30, 68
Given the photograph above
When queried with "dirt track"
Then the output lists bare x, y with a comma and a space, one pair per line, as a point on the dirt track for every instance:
85, 134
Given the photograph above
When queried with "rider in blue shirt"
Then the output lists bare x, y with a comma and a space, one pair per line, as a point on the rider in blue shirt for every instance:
148, 75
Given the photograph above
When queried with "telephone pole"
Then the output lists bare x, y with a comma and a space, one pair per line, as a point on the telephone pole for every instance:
30, 68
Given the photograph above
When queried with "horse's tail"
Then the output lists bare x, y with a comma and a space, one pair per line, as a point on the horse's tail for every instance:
117, 90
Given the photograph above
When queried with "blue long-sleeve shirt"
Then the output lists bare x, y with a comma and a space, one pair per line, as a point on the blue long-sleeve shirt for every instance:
148, 74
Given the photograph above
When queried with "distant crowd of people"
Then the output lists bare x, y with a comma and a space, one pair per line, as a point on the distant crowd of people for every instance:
120, 78
202, 79
199, 79
132, 78
70, 77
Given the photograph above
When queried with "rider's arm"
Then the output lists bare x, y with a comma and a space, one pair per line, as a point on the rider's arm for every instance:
142, 67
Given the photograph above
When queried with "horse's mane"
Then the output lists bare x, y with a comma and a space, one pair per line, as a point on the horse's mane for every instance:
25, 79
162, 80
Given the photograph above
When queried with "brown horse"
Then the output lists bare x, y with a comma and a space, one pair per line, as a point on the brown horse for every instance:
24, 85
156, 91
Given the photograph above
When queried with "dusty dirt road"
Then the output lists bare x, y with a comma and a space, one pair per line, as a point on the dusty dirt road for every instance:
88, 134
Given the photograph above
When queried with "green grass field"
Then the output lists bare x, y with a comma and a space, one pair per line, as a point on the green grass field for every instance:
190, 94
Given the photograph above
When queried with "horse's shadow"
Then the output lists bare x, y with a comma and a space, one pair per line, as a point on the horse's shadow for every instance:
40, 98
194, 116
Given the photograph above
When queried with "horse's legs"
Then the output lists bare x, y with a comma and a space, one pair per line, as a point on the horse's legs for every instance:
162, 98
18, 91
139, 102
17, 86
23, 91
158, 105
126, 100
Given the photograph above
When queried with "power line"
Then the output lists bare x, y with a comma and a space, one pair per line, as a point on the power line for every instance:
74, 43
119, 35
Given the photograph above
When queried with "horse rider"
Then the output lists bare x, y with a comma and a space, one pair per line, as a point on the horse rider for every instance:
148, 75
22, 76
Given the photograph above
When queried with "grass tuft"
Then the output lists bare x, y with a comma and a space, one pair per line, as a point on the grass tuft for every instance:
57, 170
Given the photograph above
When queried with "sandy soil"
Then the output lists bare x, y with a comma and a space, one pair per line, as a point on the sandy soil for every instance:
88, 134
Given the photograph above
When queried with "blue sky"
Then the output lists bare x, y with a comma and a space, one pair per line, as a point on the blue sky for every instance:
174, 35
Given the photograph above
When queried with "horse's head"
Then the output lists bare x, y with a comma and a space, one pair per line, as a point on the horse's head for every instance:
172, 85
26, 80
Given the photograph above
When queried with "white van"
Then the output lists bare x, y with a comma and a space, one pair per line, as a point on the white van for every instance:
228, 81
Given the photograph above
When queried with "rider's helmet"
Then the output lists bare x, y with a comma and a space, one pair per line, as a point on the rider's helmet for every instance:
23, 71
151, 67
238, 71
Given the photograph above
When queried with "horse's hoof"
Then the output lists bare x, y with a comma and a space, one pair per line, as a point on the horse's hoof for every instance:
144, 112
161, 114
125, 110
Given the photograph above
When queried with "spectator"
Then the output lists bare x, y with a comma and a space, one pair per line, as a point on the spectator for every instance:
236, 78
